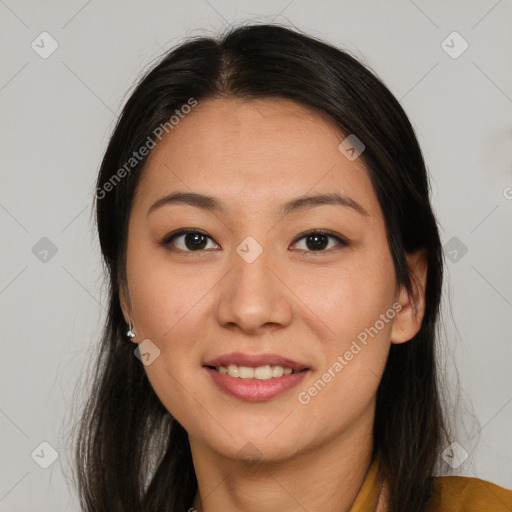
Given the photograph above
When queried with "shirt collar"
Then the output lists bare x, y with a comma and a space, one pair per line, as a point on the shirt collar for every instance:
366, 499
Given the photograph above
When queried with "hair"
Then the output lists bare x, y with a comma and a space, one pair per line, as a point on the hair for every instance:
130, 453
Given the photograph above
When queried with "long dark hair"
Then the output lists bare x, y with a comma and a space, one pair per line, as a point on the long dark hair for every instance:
131, 454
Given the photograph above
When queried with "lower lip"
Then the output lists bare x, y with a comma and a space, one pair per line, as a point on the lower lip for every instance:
255, 389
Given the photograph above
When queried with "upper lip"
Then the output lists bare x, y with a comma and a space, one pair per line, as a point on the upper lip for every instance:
254, 360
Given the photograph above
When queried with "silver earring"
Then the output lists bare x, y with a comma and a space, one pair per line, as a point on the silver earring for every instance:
130, 332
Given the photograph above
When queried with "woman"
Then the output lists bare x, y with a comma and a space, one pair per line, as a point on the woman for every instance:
263, 212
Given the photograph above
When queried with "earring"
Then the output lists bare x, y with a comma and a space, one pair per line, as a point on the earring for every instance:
130, 332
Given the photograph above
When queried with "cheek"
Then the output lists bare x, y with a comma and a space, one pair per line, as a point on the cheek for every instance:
169, 308
347, 298
353, 361
348, 303
164, 294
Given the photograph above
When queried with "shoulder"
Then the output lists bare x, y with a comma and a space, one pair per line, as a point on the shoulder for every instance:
467, 494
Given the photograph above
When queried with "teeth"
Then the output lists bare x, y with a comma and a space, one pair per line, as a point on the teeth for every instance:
244, 372
277, 371
260, 372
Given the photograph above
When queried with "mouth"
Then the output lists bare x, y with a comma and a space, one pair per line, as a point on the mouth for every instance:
255, 366
264, 372
255, 377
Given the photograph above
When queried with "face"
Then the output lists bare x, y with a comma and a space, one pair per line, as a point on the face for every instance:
310, 282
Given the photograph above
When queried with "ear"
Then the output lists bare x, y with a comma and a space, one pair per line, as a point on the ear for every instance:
407, 321
124, 299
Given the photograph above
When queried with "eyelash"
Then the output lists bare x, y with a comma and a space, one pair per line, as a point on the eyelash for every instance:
166, 242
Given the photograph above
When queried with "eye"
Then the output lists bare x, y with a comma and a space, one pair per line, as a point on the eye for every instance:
318, 241
192, 240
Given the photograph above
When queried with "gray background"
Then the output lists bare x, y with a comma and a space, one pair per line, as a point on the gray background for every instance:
57, 114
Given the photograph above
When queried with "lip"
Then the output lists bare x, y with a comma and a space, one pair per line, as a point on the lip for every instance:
254, 360
255, 390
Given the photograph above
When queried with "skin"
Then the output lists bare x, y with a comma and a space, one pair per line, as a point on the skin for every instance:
306, 305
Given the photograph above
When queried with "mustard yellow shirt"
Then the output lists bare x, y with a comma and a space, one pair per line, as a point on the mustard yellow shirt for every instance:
451, 494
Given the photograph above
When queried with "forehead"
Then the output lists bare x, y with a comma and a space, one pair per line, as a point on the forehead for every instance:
253, 152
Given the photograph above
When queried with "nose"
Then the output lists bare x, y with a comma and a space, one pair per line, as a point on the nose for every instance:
254, 296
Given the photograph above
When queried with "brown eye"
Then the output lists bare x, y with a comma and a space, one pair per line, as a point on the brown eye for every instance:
319, 241
187, 240
193, 240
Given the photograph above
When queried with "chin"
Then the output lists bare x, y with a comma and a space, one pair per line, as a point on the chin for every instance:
259, 447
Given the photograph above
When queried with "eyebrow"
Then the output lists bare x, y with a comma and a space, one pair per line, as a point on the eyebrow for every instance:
210, 203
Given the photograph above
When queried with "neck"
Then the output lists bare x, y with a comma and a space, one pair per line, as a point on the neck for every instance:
326, 477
